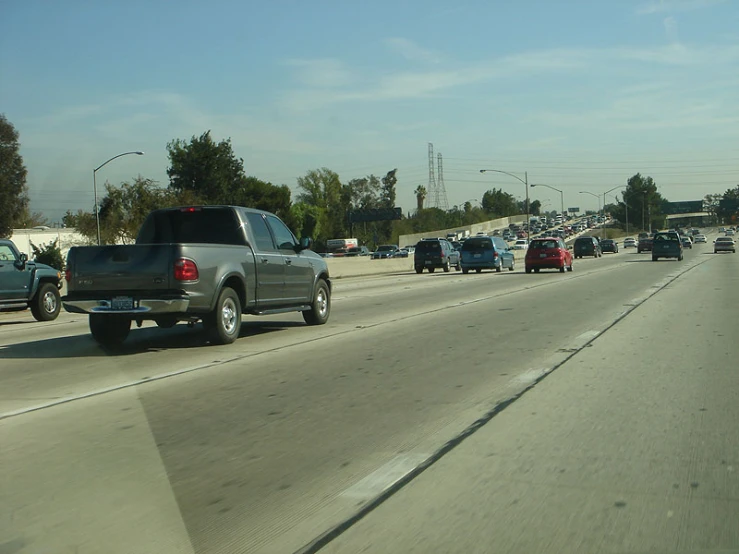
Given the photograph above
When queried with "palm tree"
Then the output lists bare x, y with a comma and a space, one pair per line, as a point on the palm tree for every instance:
420, 193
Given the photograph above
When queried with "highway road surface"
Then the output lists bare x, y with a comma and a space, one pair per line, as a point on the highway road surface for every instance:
592, 411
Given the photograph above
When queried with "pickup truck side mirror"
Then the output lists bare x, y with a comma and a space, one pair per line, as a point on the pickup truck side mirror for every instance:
23, 258
306, 243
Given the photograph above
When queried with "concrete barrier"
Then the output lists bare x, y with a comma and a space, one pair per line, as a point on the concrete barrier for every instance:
364, 265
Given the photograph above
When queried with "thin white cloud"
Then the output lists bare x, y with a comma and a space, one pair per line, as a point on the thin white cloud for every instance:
666, 6
670, 24
403, 85
323, 72
412, 51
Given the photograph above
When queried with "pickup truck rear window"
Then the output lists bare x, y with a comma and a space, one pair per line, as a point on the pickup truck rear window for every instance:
201, 226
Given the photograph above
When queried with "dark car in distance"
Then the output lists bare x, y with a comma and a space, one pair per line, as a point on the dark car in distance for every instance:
667, 245
587, 246
435, 253
609, 245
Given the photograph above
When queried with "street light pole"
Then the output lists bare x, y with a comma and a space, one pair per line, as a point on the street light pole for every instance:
604, 206
95, 186
561, 197
525, 181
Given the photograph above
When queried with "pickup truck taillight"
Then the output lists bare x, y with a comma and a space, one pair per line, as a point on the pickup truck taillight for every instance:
185, 270
68, 275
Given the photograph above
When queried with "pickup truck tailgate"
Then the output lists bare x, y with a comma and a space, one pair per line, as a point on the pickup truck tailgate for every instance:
121, 268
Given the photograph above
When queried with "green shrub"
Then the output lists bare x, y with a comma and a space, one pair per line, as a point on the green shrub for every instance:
49, 254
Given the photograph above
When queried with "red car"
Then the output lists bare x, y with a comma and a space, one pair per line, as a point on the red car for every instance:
548, 253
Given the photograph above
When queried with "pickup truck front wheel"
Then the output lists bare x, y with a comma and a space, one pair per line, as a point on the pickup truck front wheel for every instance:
223, 325
320, 308
46, 304
109, 329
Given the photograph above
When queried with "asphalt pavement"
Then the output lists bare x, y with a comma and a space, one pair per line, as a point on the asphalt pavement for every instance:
292, 434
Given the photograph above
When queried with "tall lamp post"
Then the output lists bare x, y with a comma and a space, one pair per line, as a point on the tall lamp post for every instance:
597, 196
561, 197
95, 186
604, 206
525, 181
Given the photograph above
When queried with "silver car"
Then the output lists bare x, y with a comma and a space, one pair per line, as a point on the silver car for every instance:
724, 244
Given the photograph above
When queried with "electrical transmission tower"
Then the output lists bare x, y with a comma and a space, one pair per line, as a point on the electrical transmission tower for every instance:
432, 191
441, 200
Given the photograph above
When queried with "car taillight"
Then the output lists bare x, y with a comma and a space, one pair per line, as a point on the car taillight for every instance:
68, 275
495, 254
185, 270
442, 254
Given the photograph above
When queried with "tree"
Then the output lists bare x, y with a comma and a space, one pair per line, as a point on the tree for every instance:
49, 254
536, 207
643, 202
13, 190
28, 219
420, 193
124, 208
498, 203
205, 168
322, 189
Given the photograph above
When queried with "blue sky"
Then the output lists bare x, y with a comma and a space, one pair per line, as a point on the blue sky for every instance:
581, 94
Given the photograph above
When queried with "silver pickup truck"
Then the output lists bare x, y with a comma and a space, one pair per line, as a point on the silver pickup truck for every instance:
207, 263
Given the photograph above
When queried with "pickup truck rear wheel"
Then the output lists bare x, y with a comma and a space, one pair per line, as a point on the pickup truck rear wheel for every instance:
46, 304
109, 329
223, 324
320, 308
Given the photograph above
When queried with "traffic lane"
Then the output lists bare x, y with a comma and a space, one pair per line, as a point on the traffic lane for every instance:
260, 453
630, 446
51, 362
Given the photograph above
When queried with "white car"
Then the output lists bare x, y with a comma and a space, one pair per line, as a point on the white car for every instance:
700, 238
724, 244
520, 244
629, 242
729, 232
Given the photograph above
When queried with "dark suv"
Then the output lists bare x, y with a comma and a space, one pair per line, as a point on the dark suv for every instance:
433, 253
667, 245
587, 246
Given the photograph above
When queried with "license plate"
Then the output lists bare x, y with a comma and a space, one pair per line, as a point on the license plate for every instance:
478, 255
122, 303
666, 247
429, 262
542, 255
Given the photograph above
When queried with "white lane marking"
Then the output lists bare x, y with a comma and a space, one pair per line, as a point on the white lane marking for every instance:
384, 477
528, 377
588, 335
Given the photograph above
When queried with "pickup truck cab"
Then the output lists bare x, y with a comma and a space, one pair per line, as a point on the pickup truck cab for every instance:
26, 284
198, 263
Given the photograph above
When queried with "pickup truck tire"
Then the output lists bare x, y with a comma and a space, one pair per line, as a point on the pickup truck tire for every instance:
320, 308
447, 267
223, 324
46, 304
109, 329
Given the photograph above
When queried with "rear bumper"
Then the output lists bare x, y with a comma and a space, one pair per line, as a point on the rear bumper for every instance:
143, 306
545, 263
